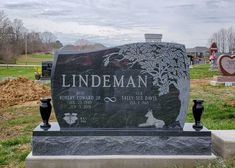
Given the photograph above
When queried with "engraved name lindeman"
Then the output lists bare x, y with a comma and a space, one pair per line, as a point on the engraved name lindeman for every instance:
103, 81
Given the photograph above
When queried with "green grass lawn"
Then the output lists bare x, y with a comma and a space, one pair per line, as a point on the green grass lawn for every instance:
16, 125
34, 59
202, 71
42, 56
198, 72
17, 71
16, 135
219, 105
17, 122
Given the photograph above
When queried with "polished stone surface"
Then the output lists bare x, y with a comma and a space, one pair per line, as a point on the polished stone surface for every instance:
227, 65
141, 85
46, 70
55, 130
121, 142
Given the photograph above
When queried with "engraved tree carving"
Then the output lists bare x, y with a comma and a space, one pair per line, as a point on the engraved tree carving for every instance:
167, 63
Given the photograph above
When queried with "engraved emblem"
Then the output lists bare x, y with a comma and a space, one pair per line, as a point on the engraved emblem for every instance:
70, 118
110, 99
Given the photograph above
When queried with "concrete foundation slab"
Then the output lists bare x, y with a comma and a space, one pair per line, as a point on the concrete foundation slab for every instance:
216, 83
223, 142
223, 80
118, 161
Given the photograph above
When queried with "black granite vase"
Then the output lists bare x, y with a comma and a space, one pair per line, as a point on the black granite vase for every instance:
45, 111
197, 113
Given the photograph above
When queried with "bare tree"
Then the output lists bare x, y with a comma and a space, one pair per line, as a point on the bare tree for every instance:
19, 39
231, 39
14, 37
6, 38
225, 39
48, 37
18, 29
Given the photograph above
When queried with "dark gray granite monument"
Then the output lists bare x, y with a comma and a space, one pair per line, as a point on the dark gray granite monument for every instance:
129, 100
132, 86
46, 70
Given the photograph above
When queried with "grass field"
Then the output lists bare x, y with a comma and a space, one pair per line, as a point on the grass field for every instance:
16, 125
33, 59
219, 102
17, 122
201, 72
219, 105
16, 72
198, 72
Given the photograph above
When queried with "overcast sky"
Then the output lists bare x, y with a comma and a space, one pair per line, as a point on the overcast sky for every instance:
190, 22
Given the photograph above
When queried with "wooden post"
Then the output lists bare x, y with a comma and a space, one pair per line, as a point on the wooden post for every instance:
26, 48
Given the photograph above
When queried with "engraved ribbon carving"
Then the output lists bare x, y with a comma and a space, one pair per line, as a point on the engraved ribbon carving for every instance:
110, 99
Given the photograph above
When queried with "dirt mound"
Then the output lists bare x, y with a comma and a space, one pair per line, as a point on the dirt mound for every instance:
200, 81
21, 90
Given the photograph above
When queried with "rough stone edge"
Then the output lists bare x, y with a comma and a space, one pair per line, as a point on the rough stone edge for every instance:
117, 161
50, 145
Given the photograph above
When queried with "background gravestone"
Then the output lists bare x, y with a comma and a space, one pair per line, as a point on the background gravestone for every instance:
46, 69
226, 64
138, 85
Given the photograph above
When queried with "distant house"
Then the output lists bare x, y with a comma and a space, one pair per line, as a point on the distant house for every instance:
199, 54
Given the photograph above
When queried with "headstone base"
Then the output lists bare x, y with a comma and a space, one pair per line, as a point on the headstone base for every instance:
223, 80
117, 161
223, 143
121, 142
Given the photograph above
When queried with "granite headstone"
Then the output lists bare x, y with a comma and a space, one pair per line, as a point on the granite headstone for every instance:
127, 100
132, 86
227, 65
46, 69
